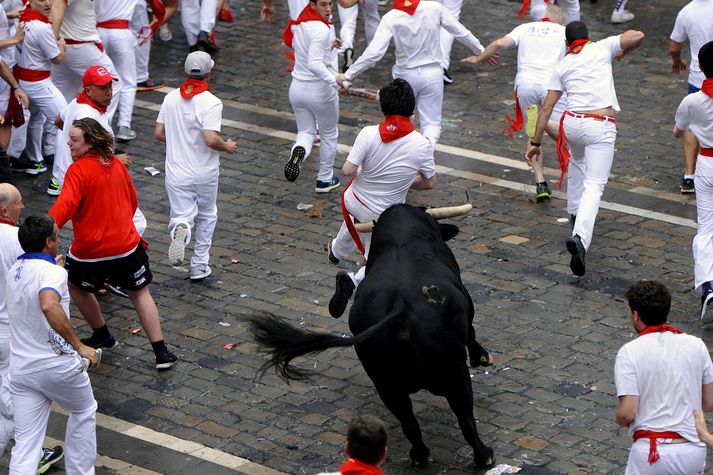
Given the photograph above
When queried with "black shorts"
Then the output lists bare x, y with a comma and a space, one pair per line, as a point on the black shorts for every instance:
131, 272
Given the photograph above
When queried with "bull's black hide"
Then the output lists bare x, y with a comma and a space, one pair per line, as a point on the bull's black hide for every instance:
412, 321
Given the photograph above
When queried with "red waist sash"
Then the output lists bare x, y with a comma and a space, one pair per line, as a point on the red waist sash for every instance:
114, 24
652, 436
706, 152
77, 42
31, 75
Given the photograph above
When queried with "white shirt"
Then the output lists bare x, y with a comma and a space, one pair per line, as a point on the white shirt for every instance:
188, 158
7, 55
587, 77
540, 46
387, 170
114, 9
9, 250
416, 38
695, 114
80, 21
694, 23
666, 371
34, 344
314, 55
38, 47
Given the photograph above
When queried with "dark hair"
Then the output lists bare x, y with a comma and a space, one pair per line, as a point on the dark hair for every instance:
397, 98
96, 136
34, 231
705, 59
651, 299
575, 30
366, 438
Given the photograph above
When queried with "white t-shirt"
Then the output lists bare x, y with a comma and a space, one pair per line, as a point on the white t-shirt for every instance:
695, 114
387, 170
314, 55
587, 77
666, 371
7, 55
694, 23
188, 158
80, 21
34, 344
38, 47
9, 250
540, 46
416, 38
114, 9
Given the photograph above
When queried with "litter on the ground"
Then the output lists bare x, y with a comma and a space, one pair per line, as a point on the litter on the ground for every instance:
134, 330
229, 346
235, 261
563, 220
151, 171
224, 324
304, 206
502, 468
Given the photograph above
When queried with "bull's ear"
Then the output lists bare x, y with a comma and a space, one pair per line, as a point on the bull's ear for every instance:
448, 231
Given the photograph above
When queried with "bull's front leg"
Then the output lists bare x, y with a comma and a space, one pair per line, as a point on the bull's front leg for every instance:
399, 404
478, 355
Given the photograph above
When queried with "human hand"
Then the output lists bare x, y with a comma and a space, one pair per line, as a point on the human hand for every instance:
59, 260
474, 59
89, 353
340, 78
21, 96
231, 146
267, 14
125, 159
678, 65
533, 153
337, 43
20, 33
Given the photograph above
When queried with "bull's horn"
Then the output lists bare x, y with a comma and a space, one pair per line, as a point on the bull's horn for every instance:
364, 227
450, 211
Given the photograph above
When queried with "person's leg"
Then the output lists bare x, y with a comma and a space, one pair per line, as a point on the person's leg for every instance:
326, 111
191, 20
33, 147
206, 219
429, 103
453, 7
142, 32
690, 153
703, 241
147, 312
88, 306
571, 10
347, 26
371, 18
208, 8
301, 99
32, 410
124, 58
577, 168
7, 421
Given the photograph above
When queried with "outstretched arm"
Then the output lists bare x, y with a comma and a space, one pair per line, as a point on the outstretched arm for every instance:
492, 52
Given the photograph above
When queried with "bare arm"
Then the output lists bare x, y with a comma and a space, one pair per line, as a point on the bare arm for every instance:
707, 398
423, 183
267, 13
57, 15
349, 169
678, 133
62, 47
626, 413
159, 132
216, 142
15, 40
491, 52
54, 313
629, 41
677, 64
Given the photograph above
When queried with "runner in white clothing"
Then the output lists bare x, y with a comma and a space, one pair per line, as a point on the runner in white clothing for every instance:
386, 161
415, 27
198, 20
588, 126
348, 12
189, 124
540, 46
46, 354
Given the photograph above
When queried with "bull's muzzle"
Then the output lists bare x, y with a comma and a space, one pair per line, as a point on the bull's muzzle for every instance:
437, 213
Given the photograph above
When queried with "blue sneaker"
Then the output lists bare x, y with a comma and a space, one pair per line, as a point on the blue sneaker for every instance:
327, 186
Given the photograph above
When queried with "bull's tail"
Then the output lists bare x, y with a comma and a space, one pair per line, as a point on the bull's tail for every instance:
283, 342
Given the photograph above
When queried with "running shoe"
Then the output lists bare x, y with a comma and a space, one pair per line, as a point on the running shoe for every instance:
49, 458
292, 168
177, 249
326, 186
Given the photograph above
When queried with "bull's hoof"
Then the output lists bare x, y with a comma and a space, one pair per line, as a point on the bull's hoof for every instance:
487, 461
420, 458
485, 359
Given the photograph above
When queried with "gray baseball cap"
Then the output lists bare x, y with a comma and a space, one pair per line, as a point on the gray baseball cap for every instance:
198, 63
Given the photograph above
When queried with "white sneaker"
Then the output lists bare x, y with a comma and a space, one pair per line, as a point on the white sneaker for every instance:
164, 32
622, 17
200, 272
177, 249
125, 134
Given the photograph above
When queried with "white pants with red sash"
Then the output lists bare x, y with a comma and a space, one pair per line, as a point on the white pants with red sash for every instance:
120, 45
197, 16
591, 143
348, 22
683, 459
46, 101
703, 242
427, 85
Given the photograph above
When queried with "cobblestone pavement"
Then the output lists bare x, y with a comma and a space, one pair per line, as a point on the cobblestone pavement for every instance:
549, 401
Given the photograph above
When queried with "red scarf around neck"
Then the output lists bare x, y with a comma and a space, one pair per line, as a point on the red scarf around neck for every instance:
4, 220
355, 467
577, 46
408, 6
707, 87
394, 127
82, 98
193, 87
664, 327
29, 14
308, 14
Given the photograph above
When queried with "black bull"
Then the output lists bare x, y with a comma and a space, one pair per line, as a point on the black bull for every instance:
412, 320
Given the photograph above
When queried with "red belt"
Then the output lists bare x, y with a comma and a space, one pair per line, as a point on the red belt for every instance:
75, 42
706, 152
30, 75
604, 118
114, 24
652, 436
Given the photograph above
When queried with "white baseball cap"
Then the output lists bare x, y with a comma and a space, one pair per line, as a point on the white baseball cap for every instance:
198, 63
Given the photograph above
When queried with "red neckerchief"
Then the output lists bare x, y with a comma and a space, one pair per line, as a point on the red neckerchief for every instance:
4, 220
193, 87
408, 6
394, 127
544, 18
29, 14
82, 98
577, 46
355, 467
308, 14
664, 327
707, 87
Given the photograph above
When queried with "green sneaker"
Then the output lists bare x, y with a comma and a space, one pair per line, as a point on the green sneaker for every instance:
53, 188
49, 458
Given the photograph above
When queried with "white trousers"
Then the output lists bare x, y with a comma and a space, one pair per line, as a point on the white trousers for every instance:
7, 422
46, 101
703, 241
194, 204
453, 7
348, 22
18, 136
315, 102
120, 45
591, 143
197, 16
427, 85
67, 75
676, 459
142, 32
32, 397
570, 9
